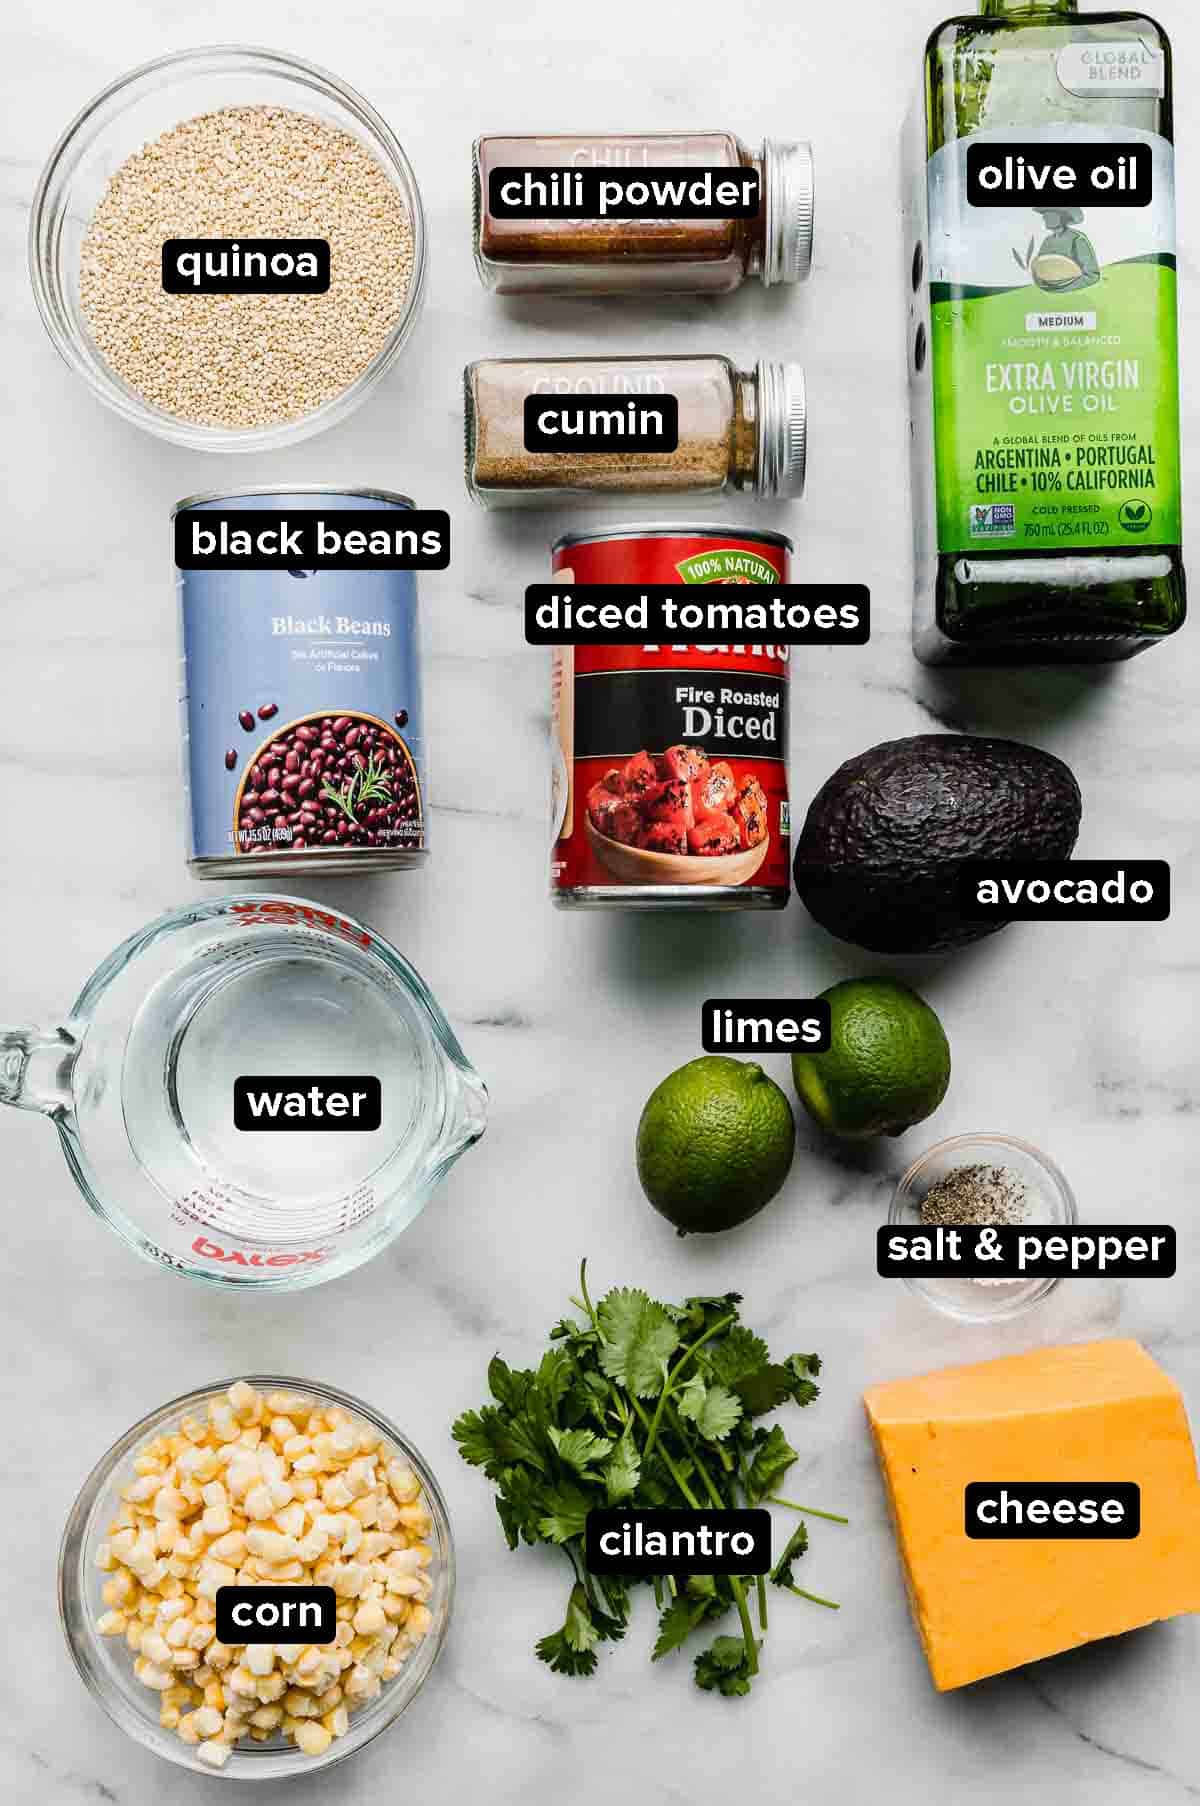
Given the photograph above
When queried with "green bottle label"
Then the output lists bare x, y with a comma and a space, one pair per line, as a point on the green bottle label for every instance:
1054, 364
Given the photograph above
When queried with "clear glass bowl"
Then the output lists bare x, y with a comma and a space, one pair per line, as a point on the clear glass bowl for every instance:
106, 1663
139, 107
1051, 1201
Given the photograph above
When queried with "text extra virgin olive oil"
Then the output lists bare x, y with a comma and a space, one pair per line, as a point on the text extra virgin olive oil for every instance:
1040, 194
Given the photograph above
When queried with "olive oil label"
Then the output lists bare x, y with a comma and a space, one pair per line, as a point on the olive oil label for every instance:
1053, 345
1113, 70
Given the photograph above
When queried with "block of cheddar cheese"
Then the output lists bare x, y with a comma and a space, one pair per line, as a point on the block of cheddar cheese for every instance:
1091, 1412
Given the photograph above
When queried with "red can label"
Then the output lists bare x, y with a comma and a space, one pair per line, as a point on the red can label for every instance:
671, 761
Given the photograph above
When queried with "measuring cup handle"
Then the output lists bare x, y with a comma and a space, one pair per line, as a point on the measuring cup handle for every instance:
35, 1068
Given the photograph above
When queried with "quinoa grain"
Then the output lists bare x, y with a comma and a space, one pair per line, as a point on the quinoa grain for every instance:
245, 361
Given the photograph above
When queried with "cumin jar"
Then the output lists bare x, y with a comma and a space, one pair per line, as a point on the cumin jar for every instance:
303, 730
738, 430
635, 256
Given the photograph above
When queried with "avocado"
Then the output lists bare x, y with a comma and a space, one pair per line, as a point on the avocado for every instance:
885, 838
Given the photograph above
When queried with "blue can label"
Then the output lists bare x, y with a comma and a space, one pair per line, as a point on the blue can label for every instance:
301, 703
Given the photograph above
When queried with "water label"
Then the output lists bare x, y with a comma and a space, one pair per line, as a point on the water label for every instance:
291, 1102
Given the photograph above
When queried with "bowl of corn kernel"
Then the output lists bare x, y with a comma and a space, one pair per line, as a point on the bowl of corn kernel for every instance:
258, 1482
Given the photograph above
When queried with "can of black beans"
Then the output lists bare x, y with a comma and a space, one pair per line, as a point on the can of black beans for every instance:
303, 744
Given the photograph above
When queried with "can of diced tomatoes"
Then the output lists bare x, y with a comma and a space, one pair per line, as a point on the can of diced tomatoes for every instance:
670, 779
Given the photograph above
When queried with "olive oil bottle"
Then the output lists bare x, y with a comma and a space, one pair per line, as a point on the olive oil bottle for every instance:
1043, 339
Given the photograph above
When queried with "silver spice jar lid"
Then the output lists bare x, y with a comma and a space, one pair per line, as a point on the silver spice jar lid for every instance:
782, 430
790, 202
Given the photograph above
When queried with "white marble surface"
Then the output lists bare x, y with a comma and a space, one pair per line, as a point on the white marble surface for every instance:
1084, 1042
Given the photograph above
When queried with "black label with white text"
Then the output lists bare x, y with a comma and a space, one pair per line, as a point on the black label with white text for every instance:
1025, 1251
621, 614
625, 1540
519, 192
282, 1614
1065, 890
1062, 176
245, 266
1037, 1511
307, 1103
280, 539
758, 1025
601, 423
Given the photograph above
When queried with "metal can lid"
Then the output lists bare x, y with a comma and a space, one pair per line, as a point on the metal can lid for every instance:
304, 489
657, 529
782, 430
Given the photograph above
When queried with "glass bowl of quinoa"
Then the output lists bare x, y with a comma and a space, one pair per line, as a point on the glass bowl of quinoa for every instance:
974, 1181
228, 143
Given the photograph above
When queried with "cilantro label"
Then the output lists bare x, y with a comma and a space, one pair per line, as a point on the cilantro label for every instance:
647, 1542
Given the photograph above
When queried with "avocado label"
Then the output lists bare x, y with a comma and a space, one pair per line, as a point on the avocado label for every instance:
1065, 890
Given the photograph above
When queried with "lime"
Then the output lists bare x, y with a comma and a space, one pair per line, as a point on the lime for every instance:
714, 1144
888, 1063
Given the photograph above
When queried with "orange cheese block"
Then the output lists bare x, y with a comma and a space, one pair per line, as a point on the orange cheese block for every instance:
1095, 1412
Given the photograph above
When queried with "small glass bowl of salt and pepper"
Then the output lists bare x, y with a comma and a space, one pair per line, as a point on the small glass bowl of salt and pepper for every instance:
980, 1180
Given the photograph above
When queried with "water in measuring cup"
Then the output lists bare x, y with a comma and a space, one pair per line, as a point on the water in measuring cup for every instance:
270, 1007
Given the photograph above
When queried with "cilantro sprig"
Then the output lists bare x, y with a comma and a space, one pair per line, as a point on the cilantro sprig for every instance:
641, 1403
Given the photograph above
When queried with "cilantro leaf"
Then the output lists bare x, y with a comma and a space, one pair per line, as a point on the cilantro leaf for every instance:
737, 1354
772, 1459
566, 1514
803, 1369
571, 1650
555, 1376
517, 1504
639, 1340
765, 1390
489, 1439
699, 1314
713, 1409
725, 1667
676, 1625
797, 1545
579, 1449
622, 1471
507, 1386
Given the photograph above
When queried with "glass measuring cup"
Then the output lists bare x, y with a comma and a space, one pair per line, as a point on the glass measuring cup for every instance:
139, 1082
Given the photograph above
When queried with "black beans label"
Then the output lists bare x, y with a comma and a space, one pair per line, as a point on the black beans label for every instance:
521, 192
266, 1614
630, 1541
1017, 1251
601, 423
1033, 1511
245, 266
620, 614
1065, 890
1046, 176
307, 1103
349, 539
759, 1025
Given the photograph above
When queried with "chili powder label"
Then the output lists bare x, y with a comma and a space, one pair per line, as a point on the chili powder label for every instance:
670, 762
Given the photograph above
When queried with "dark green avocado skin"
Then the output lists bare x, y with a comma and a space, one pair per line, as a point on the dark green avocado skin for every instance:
886, 836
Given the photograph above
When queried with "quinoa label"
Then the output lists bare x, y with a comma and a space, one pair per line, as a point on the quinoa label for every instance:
1026, 1251
1075, 1510
276, 1614
279, 539
532, 192
1065, 890
1053, 342
246, 266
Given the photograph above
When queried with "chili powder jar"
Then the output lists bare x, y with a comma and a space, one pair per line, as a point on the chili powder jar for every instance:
669, 785
639, 256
